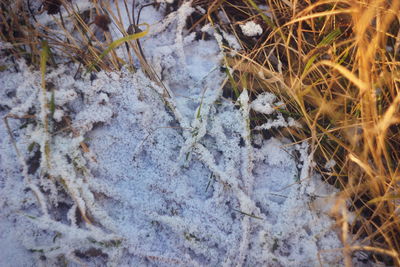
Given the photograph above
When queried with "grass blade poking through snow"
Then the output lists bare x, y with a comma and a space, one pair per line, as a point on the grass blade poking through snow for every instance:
44, 56
119, 42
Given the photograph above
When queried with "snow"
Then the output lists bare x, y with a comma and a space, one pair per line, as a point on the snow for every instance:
251, 29
58, 115
165, 1
178, 184
330, 164
263, 103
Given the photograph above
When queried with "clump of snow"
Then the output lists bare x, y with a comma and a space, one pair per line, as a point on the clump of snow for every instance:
221, 36
4, 45
58, 115
207, 28
330, 164
251, 29
232, 41
165, 1
263, 103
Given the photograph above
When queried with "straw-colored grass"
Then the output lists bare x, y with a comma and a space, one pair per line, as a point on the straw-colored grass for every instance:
336, 66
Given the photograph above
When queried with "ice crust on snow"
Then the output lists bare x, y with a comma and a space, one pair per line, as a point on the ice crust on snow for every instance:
158, 189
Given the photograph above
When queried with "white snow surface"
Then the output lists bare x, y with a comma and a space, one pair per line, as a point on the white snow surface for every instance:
165, 1
187, 185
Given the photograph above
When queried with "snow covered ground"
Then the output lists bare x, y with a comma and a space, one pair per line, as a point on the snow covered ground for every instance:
177, 181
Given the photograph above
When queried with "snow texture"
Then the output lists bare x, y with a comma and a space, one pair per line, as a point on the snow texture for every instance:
122, 179
165, 1
251, 29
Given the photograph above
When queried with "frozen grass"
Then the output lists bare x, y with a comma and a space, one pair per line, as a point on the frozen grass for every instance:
331, 64
335, 65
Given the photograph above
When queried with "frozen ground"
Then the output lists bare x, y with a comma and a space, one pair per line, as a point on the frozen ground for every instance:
177, 181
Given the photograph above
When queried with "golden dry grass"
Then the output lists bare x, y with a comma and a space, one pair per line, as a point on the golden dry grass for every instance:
336, 65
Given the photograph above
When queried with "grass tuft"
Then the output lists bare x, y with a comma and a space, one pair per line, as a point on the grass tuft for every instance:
335, 64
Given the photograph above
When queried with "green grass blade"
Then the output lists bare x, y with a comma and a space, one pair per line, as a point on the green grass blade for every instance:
119, 42
233, 82
44, 56
328, 39
265, 17
52, 104
310, 62
344, 57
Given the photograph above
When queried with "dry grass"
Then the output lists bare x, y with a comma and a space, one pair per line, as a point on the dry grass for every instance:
336, 66
81, 36
334, 63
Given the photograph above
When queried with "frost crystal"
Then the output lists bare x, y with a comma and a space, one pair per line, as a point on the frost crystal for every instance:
251, 29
